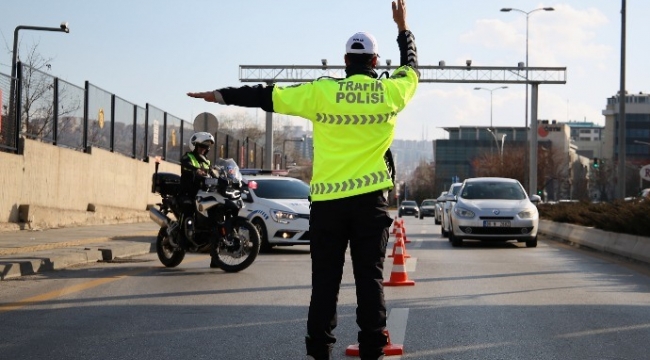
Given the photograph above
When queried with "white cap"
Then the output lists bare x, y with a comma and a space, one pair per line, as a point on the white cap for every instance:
362, 43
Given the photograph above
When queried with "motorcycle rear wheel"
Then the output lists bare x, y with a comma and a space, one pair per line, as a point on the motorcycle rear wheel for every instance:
167, 254
242, 256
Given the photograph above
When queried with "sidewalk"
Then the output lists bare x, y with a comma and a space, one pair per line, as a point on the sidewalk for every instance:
27, 252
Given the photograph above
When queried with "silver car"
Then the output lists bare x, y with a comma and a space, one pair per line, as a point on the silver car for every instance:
439, 203
494, 209
447, 206
428, 208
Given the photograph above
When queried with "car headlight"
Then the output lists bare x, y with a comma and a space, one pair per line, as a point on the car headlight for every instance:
527, 214
464, 213
283, 216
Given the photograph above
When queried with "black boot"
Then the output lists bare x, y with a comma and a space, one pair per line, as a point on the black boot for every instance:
318, 352
213, 254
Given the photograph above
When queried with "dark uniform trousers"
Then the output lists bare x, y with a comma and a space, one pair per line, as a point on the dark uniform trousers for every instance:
363, 221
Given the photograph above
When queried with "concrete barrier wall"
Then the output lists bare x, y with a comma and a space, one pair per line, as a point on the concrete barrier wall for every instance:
629, 246
61, 183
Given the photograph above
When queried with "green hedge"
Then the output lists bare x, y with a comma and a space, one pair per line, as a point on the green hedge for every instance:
628, 217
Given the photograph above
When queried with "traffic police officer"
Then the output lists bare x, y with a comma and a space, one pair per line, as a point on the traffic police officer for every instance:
354, 121
195, 167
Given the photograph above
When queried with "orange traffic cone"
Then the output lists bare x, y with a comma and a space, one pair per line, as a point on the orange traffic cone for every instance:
396, 224
406, 240
398, 275
399, 238
390, 349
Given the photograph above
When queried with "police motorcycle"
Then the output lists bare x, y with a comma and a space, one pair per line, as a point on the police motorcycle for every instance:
216, 220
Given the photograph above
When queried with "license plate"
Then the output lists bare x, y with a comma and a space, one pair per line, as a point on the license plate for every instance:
496, 223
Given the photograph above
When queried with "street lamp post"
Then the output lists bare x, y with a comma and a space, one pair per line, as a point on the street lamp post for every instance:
496, 141
12, 93
284, 143
533, 128
491, 91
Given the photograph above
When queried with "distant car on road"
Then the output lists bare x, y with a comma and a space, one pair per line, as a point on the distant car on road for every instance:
408, 207
428, 208
494, 209
449, 201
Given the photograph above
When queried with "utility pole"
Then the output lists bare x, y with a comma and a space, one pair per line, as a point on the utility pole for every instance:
622, 98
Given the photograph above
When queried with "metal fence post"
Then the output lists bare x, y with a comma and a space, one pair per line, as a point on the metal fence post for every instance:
55, 112
146, 133
18, 106
112, 140
180, 133
135, 132
86, 104
164, 137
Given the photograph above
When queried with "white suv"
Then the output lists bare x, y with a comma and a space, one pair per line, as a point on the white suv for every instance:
278, 206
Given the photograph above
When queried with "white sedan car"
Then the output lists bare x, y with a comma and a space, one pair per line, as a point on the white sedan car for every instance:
278, 206
494, 209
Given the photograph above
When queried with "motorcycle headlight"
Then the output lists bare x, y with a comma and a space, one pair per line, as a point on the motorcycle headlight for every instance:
464, 213
283, 216
527, 214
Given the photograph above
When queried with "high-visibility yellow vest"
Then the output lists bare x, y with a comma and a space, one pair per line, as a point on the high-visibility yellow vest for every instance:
197, 164
354, 124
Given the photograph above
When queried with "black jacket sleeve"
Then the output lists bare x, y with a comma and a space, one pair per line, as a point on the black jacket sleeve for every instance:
258, 96
408, 52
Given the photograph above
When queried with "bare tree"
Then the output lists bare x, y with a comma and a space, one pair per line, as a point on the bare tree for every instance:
510, 165
601, 180
37, 106
422, 181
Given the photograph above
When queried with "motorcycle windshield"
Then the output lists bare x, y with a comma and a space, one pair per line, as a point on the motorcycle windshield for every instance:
228, 168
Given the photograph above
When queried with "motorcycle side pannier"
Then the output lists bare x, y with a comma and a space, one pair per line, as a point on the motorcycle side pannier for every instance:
165, 183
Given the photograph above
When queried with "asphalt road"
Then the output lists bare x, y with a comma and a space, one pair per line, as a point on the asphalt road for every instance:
480, 301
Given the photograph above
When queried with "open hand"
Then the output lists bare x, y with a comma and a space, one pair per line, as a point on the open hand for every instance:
207, 96
399, 14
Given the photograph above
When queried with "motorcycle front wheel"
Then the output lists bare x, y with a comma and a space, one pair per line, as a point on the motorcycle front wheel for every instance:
167, 254
239, 249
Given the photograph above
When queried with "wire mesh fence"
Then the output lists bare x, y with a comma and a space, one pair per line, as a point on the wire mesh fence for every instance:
52, 110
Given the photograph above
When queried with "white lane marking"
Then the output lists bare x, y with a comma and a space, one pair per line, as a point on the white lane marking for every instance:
411, 264
396, 325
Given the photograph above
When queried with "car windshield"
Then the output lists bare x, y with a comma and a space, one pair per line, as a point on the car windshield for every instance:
455, 188
493, 191
409, 203
428, 203
281, 189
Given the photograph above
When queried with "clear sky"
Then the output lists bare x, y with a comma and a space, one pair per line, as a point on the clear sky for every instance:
156, 51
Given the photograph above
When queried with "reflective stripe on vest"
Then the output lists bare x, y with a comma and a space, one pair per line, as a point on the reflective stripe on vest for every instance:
353, 119
365, 181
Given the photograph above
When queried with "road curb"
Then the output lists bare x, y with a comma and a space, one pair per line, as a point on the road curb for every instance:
83, 252
628, 246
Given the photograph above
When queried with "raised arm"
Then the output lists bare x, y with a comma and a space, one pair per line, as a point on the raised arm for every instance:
405, 39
